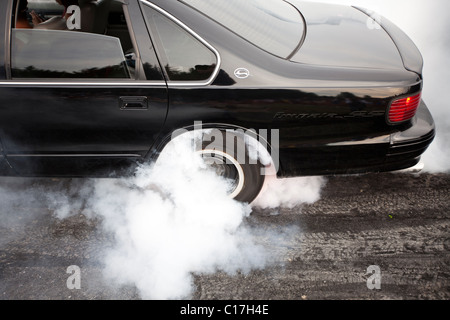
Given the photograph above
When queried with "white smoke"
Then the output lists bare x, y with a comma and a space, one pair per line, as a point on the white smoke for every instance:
174, 219
289, 193
427, 24
19, 205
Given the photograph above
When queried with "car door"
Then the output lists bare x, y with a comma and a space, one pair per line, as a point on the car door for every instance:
76, 101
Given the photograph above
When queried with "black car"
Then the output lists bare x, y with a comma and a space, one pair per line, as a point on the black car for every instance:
92, 87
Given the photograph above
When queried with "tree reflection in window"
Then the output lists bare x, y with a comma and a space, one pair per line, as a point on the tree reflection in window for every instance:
199, 72
106, 72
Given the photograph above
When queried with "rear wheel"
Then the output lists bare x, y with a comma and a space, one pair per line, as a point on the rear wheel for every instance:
230, 159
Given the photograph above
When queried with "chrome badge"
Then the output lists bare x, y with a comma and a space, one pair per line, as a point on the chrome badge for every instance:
241, 73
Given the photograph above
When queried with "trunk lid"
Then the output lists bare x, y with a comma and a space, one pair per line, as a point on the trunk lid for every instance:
343, 36
411, 56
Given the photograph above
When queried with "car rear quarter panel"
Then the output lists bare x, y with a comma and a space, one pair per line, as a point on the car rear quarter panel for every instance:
329, 118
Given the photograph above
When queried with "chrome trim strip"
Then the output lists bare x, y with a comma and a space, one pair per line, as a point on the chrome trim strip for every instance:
29, 83
376, 140
34, 83
199, 38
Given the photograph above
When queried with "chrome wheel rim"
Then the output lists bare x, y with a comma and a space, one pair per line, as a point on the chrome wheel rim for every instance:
227, 167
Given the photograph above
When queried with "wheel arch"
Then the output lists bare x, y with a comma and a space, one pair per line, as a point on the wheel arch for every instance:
268, 151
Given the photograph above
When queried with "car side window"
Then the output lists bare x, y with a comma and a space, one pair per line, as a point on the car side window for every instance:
183, 56
58, 54
81, 39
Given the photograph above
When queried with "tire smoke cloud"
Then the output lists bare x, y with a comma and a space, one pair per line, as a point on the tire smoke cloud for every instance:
173, 219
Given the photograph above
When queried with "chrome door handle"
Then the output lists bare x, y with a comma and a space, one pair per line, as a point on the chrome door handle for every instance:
133, 103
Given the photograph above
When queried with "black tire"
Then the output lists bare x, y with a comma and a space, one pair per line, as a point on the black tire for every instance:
232, 161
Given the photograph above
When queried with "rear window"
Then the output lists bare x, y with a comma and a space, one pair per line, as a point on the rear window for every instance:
273, 25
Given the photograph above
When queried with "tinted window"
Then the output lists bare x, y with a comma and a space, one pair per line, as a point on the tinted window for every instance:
66, 54
184, 56
272, 25
80, 39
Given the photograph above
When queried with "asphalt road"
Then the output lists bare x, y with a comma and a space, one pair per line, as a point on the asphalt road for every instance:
398, 224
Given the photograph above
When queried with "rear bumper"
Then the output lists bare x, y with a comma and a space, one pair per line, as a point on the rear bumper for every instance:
393, 152
412, 143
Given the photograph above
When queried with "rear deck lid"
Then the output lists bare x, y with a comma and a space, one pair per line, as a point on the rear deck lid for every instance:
343, 36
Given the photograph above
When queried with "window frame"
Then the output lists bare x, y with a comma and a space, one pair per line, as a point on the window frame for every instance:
160, 51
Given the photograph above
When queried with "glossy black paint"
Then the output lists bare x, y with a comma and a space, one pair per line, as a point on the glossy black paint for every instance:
331, 116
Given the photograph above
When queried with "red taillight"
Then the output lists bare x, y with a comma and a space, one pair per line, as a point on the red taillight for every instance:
404, 109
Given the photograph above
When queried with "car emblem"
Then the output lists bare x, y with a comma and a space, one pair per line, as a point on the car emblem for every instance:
241, 73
